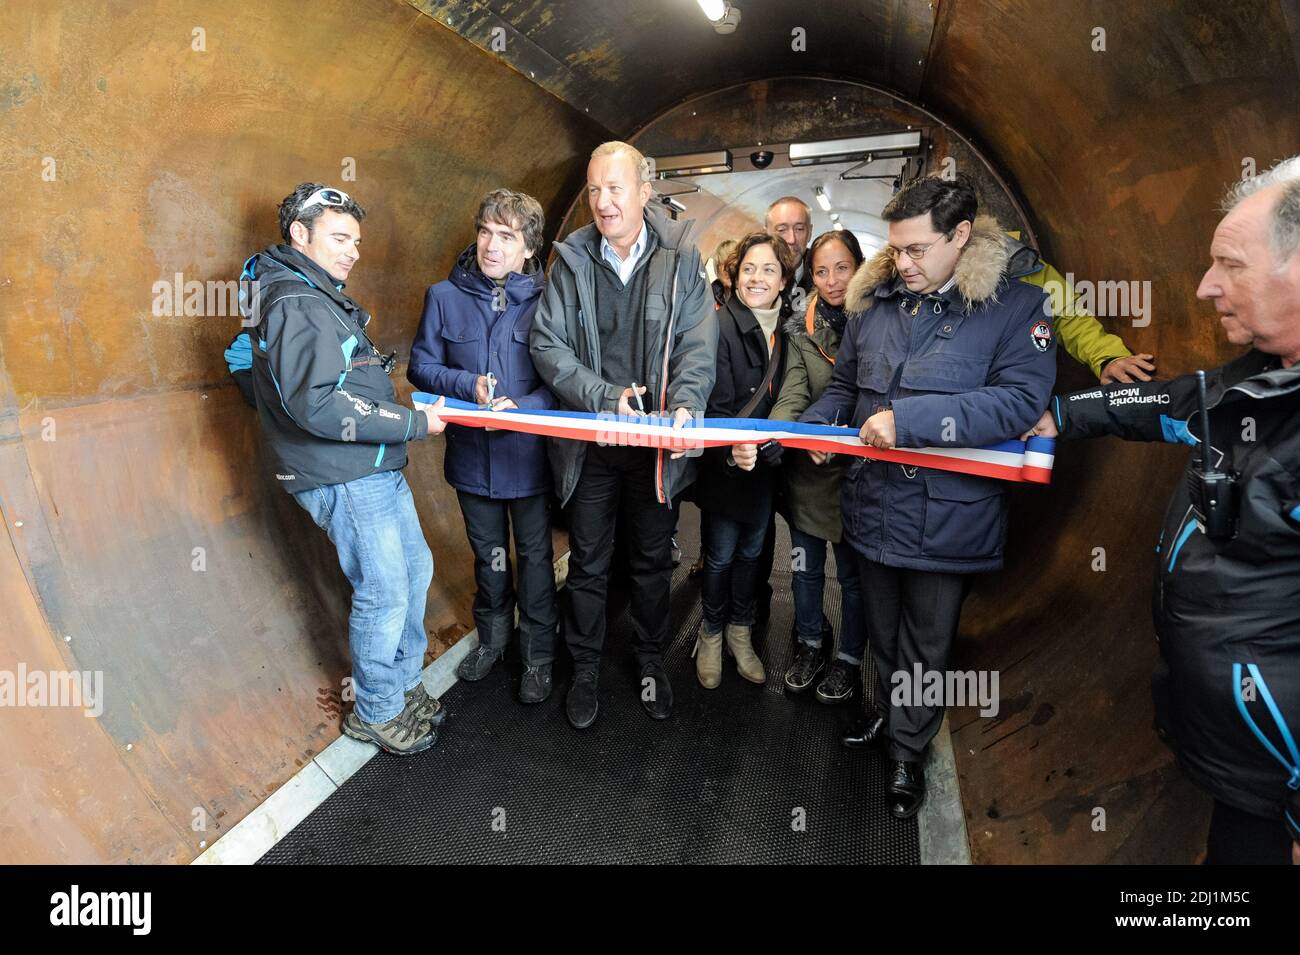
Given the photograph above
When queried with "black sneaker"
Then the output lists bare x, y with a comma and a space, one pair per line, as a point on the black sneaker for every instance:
677, 551
427, 708
478, 663
840, 680
536, 684
808, 662
581, 704
655, 691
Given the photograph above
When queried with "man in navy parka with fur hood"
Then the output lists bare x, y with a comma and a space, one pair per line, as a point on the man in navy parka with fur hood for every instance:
942, 348
476, 324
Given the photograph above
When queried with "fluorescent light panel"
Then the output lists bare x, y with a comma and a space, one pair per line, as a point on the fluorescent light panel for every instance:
693, 164
840, 150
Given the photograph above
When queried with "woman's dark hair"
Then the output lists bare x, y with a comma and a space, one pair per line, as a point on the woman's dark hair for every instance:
949, 201
784, 255
842, 236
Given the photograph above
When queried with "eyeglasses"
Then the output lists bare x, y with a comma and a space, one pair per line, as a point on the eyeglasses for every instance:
325, 197
916, 252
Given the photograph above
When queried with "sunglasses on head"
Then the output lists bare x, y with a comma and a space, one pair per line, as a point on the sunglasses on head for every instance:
324, 197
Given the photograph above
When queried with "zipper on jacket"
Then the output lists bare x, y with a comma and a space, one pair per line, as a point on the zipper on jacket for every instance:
661, 491
889, 400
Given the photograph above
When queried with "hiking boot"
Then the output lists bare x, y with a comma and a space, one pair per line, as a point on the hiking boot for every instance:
536, 684
478, 663
427, 708
839, 682
403, 735
808, 662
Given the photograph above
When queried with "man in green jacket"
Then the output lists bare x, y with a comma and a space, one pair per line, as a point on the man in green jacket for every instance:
1087, 341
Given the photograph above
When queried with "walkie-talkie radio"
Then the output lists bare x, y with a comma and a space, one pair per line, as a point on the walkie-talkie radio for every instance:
1213, 492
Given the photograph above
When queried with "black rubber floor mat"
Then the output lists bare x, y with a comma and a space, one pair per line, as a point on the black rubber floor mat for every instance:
739, 774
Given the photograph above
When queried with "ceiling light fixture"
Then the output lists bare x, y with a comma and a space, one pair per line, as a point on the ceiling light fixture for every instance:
724, 17
692, 164
822, 199
860, 147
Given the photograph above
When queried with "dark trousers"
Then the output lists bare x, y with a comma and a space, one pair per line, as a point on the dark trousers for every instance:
616, 482
488, 524
808, 586
911, 618
727, 584
763, 570
1242, 838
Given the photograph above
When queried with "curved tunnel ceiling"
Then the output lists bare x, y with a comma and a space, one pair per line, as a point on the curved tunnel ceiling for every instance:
623, 61
170, 164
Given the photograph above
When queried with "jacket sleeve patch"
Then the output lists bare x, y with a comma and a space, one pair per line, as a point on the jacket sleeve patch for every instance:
1041, 335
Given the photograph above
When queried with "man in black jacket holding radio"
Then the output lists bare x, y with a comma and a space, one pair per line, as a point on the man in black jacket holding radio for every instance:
1227, 601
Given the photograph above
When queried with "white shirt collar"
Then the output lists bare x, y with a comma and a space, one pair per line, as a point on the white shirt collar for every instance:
624, 267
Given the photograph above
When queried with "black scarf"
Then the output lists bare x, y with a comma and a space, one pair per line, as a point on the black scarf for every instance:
832, 315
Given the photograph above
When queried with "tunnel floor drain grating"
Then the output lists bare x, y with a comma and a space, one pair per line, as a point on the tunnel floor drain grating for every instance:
740, 774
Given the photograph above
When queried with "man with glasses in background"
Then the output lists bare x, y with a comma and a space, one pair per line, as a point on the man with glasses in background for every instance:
337, 437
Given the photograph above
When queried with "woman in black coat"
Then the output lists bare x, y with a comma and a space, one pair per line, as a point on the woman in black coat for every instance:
736, 484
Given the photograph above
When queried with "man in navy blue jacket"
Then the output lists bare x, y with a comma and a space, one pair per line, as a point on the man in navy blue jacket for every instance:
472, 344
943, 349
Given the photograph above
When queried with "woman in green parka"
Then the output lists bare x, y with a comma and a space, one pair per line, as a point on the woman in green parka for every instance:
813, 337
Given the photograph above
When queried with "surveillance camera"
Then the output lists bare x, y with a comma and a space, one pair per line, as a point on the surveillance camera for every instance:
761, 158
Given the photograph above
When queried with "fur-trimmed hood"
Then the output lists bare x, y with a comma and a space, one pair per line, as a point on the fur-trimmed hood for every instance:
980, 269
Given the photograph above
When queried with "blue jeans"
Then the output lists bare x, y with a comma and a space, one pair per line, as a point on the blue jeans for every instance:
809, 584
372, 523
731, 552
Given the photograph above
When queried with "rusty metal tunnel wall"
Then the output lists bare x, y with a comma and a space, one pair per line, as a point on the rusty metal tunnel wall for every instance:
143, 539
220, 682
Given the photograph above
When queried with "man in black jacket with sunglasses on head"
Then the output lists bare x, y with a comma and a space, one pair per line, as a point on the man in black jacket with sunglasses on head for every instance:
337, 436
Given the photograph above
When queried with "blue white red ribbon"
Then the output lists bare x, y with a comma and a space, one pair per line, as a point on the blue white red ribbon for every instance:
1025, 461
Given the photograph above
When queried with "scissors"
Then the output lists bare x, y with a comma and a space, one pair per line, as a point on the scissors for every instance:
834, 424
492, 390
636, 396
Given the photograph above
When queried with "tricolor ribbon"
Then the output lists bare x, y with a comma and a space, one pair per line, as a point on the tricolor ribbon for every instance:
1026, 461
